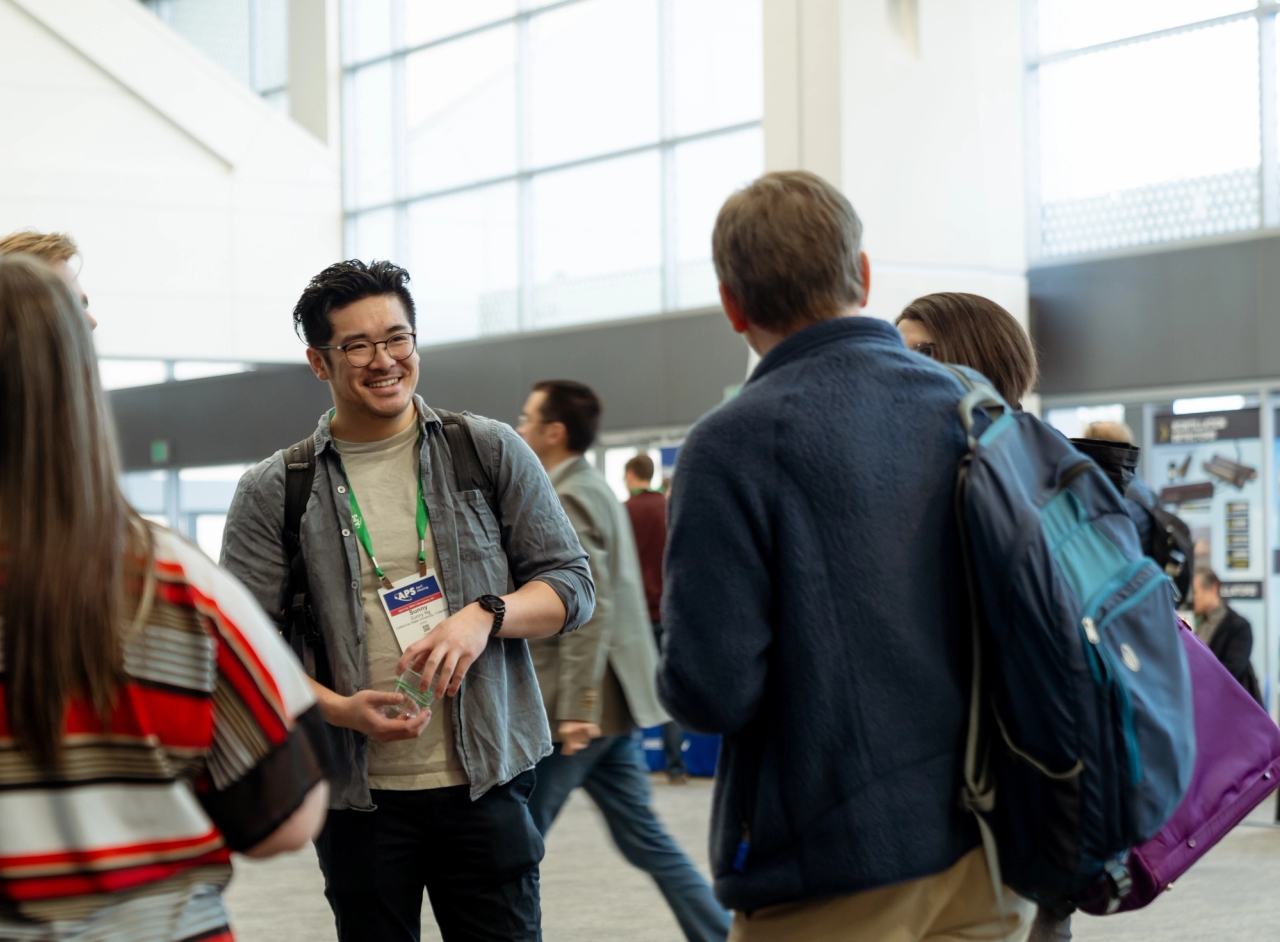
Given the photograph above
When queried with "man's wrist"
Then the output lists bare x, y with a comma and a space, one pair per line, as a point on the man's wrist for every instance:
331, 705
495, 606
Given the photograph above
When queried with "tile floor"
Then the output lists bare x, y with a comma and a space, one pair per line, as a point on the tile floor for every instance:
590, 893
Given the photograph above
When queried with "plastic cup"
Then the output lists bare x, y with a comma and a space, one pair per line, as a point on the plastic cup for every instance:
416, 699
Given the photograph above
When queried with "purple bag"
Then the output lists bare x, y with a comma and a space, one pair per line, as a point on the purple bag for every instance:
1237, 767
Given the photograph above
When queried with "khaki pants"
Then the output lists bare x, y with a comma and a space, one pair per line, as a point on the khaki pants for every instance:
957, 905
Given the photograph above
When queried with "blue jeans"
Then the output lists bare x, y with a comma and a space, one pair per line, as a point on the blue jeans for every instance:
672, 734
613, 772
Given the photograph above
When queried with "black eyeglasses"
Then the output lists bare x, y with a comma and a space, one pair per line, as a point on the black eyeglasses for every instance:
928, 348
361, 352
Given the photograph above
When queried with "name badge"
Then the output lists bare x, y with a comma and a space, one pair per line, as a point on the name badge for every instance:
414, 605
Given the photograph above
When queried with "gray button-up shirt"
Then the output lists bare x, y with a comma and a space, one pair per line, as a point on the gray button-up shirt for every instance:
500, 727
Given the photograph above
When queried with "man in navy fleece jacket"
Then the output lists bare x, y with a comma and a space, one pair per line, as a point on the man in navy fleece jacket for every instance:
814, 601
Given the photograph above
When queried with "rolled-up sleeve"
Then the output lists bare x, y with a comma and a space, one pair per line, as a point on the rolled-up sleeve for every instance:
538, 538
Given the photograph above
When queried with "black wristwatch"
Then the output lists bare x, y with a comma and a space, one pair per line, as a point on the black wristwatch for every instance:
491, 603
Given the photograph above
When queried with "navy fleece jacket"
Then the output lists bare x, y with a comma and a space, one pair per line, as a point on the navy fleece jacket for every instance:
813, 612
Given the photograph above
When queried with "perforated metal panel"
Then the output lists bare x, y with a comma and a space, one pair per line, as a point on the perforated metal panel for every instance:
1182, 209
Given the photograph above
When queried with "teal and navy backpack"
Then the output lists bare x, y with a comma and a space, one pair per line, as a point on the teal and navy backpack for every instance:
1082, 737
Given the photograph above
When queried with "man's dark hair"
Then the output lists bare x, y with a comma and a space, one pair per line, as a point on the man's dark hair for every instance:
641, 466
1208, 578
789, 249
345, 283
976, 332
574, 404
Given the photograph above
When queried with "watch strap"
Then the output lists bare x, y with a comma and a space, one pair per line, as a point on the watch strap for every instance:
498, 608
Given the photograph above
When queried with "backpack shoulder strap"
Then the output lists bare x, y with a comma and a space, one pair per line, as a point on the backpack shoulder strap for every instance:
469, 472
978, 395
1139, 497
299, 473
299, 625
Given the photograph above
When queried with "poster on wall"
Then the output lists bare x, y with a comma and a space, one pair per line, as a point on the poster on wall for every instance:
1206, 468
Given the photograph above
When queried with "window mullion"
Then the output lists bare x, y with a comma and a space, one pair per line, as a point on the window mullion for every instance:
666, 131
1269, 192
399, 160
1031, 128
524, 184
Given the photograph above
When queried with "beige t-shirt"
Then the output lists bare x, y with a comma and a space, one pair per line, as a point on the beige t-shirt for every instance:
384, 476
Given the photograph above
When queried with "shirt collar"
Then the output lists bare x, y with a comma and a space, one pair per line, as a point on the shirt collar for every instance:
857, 327
426, 416
565, 468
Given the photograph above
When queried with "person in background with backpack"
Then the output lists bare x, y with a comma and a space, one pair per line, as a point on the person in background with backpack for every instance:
815, 601
153, 721
1163, 535
417, 524
973, 331
977, 333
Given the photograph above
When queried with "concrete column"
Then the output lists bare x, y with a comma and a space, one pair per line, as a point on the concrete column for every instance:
315, 69
802, 87
914, 108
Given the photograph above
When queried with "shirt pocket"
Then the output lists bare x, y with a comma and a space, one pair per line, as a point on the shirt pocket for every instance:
478, 534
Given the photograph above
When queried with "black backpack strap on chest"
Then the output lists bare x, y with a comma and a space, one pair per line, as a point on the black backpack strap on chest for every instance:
300, 628
1172, 545
469, 472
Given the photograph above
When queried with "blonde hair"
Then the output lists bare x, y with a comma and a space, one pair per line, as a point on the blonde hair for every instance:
1109, 432
51, 247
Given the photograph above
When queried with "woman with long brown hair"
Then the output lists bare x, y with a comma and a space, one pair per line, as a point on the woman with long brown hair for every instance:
152, 720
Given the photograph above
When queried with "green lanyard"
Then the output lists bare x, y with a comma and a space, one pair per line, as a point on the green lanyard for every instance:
362, 532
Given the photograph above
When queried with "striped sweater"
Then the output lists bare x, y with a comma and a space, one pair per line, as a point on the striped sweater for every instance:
209, 748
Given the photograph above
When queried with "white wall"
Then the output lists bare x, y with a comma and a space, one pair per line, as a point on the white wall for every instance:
200, 212
927, 97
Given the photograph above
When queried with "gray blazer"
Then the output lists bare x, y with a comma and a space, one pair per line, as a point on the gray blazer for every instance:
499, 725
571, 667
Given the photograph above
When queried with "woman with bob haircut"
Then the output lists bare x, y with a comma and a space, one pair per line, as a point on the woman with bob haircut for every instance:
153, 721
973, 331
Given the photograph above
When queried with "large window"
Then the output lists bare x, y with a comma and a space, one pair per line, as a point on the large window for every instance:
248, 38
539, 164
1150, 121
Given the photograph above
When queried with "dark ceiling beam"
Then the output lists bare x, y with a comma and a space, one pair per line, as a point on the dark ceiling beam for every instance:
653, 372
1183, 314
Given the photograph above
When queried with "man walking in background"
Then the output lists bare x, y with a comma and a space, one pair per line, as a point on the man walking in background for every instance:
421, 549
647, 509
814, 607
598, 683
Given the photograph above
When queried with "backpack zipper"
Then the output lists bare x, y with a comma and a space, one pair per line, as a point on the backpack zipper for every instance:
1150, 586
1126, 719
1104, 656
1114, 585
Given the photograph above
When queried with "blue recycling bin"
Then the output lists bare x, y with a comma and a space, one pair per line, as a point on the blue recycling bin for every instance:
700, 752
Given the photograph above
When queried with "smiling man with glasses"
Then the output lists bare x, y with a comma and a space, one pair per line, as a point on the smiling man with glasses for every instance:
431, 542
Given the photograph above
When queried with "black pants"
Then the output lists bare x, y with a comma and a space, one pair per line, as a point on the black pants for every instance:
478, 862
